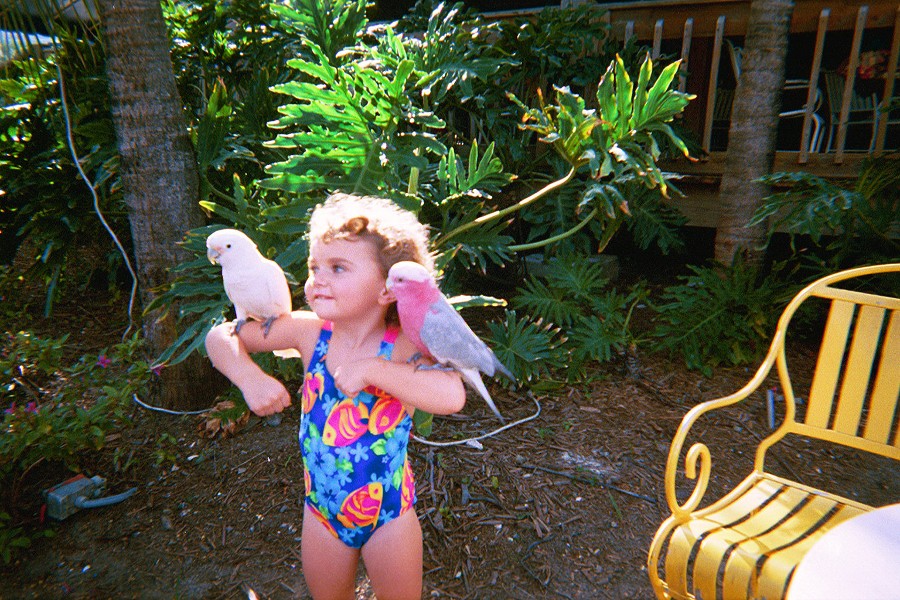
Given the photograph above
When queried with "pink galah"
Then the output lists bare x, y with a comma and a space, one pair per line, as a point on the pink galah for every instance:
438, 331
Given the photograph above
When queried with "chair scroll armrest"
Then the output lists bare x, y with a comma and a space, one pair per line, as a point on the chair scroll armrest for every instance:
697, 460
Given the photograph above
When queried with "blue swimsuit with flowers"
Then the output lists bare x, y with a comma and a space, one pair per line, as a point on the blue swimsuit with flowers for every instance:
355, 465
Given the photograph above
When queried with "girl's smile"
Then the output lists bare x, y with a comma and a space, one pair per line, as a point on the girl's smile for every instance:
345, 279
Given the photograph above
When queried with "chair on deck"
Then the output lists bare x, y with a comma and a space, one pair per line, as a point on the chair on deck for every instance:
815, 143
748, 543
722, 113
863, 109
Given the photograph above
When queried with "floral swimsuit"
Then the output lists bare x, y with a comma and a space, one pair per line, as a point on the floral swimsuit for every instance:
355, 465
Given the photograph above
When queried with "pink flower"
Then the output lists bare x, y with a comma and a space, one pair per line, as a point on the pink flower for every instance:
872, 64
103, 361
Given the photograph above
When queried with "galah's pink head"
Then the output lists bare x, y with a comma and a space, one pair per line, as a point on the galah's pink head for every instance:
409, 278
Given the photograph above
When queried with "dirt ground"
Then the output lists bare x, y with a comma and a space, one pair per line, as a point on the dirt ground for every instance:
561, 506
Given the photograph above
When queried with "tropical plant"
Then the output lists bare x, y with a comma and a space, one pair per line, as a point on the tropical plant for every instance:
48, 209
364, 121
613, 146
545, 50
54, 412
13, 540
720, 315
530, 347
371, 110
846, 224
592, 318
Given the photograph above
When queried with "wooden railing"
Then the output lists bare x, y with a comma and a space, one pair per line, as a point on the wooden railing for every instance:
699, 32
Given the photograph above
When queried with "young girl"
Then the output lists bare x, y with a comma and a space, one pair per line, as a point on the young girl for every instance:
358, 397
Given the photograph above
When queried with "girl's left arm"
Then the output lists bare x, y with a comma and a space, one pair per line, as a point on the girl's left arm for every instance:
437, 391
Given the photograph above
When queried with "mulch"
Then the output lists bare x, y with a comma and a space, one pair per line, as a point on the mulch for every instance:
563, 505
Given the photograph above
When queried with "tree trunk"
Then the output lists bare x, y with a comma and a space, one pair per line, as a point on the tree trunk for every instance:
159, 176
754, 125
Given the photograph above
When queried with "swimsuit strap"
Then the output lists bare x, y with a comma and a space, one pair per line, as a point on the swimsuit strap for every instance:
387, 344
321, 348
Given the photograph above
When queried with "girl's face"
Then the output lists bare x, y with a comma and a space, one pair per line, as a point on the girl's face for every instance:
345, 280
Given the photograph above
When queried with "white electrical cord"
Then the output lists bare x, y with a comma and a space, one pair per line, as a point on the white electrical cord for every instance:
415, 437
167, 411
486, 435
87, 181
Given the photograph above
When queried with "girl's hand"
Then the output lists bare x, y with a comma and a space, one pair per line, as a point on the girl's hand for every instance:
265, 395
351, 379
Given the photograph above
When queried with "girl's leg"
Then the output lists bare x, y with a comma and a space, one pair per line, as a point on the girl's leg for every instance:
393, 558
329, 565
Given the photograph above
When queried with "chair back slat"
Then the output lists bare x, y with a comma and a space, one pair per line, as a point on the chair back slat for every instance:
858, 369
886, 389
828, 365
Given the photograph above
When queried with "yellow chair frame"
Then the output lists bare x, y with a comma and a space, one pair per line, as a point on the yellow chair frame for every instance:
748, 543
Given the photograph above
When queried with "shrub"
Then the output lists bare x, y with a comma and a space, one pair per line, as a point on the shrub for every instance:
720, 315
54, 413
592, 317
846, 225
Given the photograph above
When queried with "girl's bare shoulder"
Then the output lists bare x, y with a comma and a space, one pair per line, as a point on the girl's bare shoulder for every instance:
403, 348
306, 327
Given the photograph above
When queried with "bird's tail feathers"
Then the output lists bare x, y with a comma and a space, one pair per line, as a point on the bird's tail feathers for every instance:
502, 368
473, 378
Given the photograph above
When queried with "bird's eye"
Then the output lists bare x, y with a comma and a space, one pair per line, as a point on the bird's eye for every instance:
228, 245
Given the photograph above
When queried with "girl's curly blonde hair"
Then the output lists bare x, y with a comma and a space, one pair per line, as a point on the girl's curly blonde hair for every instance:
396, 233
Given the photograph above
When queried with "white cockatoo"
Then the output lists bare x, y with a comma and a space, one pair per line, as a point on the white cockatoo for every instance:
438, 331
255, 285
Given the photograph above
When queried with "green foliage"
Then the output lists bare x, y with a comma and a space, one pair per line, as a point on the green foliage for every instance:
351, 135
848, 225
15, 539
331, 26
451, 47
529, 348
47, 209
25, 352
543, 50
616, 146
654, 222
55, 412
165, 451
618, 141
720, 316
576, 299
374, 110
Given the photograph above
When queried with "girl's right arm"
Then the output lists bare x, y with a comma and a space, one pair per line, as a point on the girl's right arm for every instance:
230, 354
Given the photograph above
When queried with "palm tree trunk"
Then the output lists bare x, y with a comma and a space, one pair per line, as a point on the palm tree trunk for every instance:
754, 125
158, 172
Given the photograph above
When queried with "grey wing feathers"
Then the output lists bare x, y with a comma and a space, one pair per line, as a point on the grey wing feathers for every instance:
451, 341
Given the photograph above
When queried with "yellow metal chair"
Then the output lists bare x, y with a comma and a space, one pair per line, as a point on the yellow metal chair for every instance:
747, 544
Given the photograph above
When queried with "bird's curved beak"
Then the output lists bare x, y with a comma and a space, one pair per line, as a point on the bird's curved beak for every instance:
212, 254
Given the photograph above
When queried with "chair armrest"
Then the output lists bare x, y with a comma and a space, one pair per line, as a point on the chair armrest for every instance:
698, 454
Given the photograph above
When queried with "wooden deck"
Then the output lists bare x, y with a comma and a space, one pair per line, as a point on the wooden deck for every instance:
825, 35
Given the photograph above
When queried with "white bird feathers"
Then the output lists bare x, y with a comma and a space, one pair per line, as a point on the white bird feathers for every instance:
437, 330
255, 285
